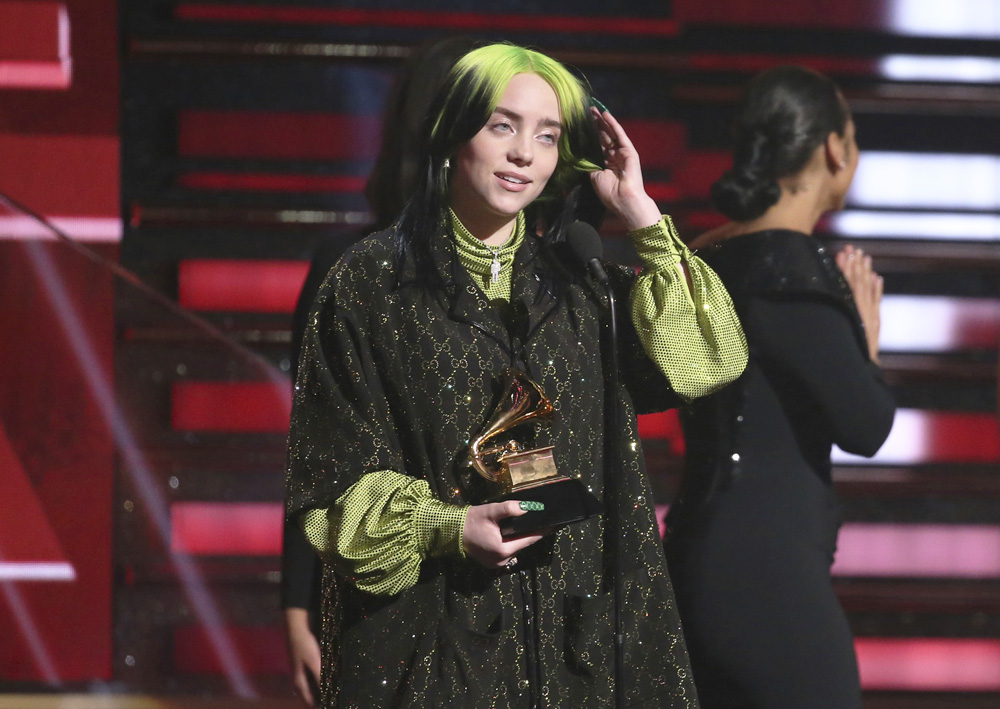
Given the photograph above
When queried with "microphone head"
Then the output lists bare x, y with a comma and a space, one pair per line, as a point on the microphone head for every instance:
584, 241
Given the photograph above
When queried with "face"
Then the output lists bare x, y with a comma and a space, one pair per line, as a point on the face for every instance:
507, 164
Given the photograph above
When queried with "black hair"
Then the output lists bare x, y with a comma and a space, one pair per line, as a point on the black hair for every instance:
392, 179
785, 114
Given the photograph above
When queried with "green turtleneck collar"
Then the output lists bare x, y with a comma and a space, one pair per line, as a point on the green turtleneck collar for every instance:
478, 258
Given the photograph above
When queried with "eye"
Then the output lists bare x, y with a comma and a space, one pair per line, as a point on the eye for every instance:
549, 138
503, 126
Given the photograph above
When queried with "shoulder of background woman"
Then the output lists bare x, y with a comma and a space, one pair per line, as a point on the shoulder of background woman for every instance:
775, 262
715, 236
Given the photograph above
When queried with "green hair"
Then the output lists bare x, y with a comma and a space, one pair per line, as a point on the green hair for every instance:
479, 80
463, 106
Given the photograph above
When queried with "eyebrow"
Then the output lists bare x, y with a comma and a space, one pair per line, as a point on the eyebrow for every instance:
513, 115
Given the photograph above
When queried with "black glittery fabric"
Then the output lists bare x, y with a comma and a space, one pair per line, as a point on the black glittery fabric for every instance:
399, 377
778, 264
752, 533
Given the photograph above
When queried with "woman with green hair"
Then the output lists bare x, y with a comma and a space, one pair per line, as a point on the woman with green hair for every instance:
406, 342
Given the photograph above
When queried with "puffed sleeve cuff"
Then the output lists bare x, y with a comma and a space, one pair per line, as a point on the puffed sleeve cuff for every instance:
692, 334
440, 527
380, 530
658, 245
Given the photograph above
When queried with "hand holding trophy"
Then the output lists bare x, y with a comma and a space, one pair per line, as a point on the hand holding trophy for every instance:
513, 473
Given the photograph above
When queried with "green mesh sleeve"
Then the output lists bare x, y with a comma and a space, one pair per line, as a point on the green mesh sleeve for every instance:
379, 531
693, 335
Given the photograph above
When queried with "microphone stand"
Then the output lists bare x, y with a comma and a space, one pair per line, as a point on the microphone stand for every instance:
613, 475
612, 490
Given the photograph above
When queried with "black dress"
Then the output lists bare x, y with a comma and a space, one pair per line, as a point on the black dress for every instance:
752, 535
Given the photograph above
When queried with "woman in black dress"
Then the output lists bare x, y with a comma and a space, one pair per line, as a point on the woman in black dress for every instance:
752, 534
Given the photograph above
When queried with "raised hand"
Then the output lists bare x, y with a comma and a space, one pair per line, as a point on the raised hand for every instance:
619, 184
866, 286
482, 539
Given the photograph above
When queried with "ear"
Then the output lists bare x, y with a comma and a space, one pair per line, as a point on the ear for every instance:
836, 152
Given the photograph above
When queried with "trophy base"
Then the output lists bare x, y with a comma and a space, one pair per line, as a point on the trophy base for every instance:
566, 501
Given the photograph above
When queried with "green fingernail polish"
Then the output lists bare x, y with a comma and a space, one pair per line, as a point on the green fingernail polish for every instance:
597, 104
532, 506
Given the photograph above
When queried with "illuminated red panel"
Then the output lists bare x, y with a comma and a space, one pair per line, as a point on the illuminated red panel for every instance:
34, 45
231, 407
272, 182
62, 175
226, 528
699, 170
462, 21
918, 550
929, 664
935, 437
661, 144
663, 425
663, 191
268, 134
240, 285
261, 650
29, 549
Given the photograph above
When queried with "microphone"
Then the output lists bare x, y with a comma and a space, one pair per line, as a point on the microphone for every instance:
586, 246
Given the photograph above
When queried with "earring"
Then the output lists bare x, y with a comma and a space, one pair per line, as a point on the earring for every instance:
447, 163
843, 164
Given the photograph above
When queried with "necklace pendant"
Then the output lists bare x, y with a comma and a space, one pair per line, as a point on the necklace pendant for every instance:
495, 269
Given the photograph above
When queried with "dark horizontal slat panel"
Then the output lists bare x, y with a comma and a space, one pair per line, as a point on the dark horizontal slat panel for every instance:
150, 215
974, 481
828, 14
425, 19
272, 182
259, 650
917, 596
902, 369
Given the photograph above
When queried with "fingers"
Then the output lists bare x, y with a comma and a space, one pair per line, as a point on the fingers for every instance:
312, 663
301, 686
516, 544
878, 289
508, 508
611, 130
857, 268
843, 256
483, 540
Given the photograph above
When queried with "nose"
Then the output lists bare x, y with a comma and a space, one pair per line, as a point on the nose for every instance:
521, 151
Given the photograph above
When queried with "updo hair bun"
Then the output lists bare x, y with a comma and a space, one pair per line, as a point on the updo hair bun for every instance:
741, 194
749, 188
786, 113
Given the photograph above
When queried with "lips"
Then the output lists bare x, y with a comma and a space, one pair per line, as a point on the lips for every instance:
513, 181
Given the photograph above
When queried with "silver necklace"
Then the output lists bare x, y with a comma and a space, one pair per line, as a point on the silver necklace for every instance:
496, 265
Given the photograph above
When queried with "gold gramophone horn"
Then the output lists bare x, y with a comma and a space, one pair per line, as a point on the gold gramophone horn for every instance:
522, 401
526, 475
